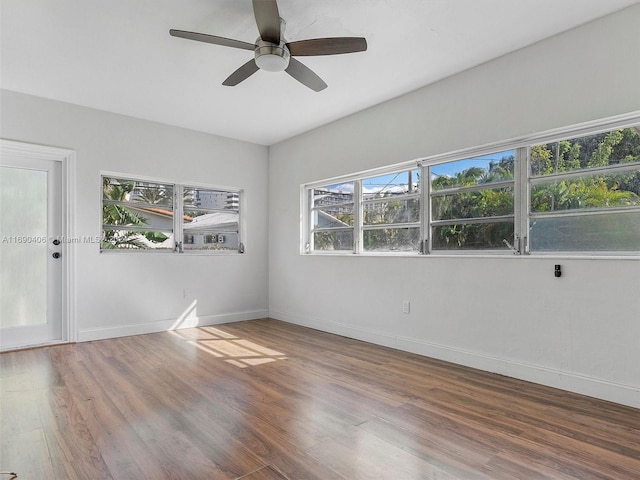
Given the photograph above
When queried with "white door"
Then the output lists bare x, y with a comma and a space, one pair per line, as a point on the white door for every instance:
31, 248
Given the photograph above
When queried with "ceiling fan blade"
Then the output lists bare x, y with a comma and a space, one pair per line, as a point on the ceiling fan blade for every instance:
203, 37
305, 75
244, 72
267, 19
327, 46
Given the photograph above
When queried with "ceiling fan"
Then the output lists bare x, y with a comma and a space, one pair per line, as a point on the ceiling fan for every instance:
272, 53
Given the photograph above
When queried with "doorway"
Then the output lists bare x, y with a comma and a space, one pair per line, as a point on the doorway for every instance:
34, 245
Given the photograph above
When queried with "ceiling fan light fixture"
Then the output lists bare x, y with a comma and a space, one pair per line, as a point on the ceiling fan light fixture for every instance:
271, 57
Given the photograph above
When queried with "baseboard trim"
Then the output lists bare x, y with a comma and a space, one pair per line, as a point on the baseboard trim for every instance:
569, 381
91, 334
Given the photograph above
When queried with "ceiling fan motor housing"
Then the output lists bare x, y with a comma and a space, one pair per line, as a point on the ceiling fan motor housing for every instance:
271, 57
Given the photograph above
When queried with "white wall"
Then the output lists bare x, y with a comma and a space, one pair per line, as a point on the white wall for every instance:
136, 293
508, 315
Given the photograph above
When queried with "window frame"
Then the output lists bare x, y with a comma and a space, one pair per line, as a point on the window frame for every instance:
310, 216
402, 197
522, 186
532, 180
430, 223
177, 220
225, 233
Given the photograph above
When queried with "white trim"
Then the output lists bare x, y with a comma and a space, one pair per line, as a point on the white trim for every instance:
569, 381
165, 181
358, 218
363, 175
90, 334
32, 150
69, 225
68, 159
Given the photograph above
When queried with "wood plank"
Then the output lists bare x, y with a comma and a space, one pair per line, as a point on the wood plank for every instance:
265, 473
266, 400
360, 455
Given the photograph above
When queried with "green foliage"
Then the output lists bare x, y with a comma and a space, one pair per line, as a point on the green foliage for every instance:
580, 194
120, 215
338, 240
153, 195
346, 218
487, 202
602, 154
473, 235
155, 237
586, 192
391, 239
589, 191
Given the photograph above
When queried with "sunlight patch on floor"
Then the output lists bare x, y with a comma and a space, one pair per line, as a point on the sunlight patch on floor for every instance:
234, 350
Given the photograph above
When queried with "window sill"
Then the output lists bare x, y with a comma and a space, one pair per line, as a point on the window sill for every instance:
502, 255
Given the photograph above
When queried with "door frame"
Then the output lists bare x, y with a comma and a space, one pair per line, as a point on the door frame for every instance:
67, 158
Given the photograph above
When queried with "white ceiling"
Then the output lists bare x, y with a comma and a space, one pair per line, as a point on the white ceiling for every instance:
117, 55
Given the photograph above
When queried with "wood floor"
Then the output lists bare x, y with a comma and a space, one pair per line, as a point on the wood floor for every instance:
265, 400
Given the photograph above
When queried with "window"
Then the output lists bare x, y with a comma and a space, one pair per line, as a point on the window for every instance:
578, 194
472, 203
144, 215
211, 215
585, 193
136, 215
332, 217
391, 212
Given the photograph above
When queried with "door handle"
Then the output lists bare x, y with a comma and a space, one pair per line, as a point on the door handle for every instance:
56, 255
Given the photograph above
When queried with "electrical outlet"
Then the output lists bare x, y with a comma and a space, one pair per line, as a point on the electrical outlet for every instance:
406, 306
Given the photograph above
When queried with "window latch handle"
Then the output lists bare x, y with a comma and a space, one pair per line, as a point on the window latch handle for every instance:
511, 247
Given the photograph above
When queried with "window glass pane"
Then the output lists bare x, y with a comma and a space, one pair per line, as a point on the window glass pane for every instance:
134, 216
601, 150
495, 167
336, 240
391, 211
588, 192
392, 184
337, 216
222, 221
477, 236
392, 240
153, 194
117, 239
23, 248
333, 194
205, 230
123, 190
150, 212
210, 220
205, 198
485, 203
610, 232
